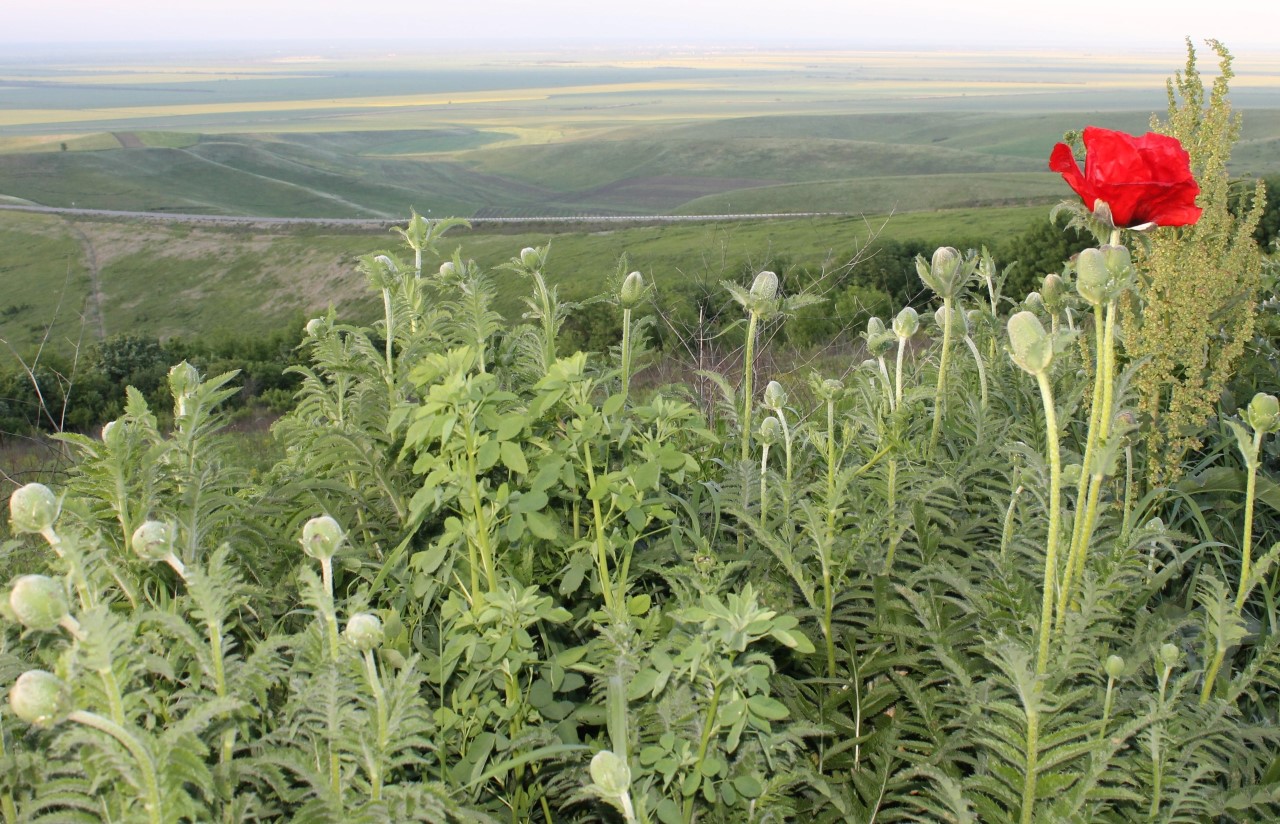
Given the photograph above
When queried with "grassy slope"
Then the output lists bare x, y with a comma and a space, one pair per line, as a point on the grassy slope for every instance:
166, 279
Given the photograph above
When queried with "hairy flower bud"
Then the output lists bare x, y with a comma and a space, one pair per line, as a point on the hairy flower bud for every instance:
632, 290
40, 698
943, 273
364, 631
770, 431
1030, 346
879, 339
1263, 413
530, 257
1093, 277
1033, 301
611, 774
1169, 655
1053, 291
447, 269
153, 541
315, 327
38, 602
775, 397
906, 323
32, 508
830, 389
765, 286
321, 537
1114, 666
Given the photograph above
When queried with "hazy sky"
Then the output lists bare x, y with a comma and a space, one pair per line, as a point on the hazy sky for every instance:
958, 24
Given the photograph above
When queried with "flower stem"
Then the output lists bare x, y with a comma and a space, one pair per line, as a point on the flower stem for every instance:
150, 781
1055, 516
939, 391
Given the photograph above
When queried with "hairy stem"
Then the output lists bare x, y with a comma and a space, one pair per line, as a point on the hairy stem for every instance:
146, 765
939, 391
1055, 516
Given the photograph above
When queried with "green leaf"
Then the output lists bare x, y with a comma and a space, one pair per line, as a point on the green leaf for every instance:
513, 457
613, 405
542, 525
765, 707
748, 786
638, 605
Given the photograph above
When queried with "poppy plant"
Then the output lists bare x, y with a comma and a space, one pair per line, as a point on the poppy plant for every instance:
1143, 180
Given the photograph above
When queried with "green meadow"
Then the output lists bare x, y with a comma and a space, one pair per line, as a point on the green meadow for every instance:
929, 146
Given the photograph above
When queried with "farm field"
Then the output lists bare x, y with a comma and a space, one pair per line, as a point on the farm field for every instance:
564, 134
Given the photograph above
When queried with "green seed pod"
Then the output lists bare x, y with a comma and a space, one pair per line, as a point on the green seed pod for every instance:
611, 774
1093, 278
364, 631
40, 698
770, 431
906, 323
765, 286
1114, 666
38, 602
775, 397
153, 541
632, 290
1169, 655
530, 257
1030, 346
1263, 413
32, 508
321, 537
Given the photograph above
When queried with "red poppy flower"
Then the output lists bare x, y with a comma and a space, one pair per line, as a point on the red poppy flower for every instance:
1143, 180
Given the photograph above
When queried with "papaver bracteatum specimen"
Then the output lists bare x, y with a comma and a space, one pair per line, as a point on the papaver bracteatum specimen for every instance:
1143, 180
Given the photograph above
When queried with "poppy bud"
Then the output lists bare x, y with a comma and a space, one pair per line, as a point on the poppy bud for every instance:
1030, 346
1263, 413
1053, 291
107, 429
40, 698
32, 508
765, 286
830, 389
770, 431
315, 327
611, 774
183, 380
879, 339
1169, 655
153, 541
907, 323
38, 602
364, 631
321, 537
1118, 260
1093, 277
1114, 666
447, 269
530, 257
775, 397
632, 290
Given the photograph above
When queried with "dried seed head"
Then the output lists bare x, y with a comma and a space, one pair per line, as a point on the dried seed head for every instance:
321, 537
32, 508
40, 698
38, 602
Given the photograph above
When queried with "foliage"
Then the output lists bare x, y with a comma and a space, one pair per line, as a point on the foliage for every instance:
1199, 283
488, 580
